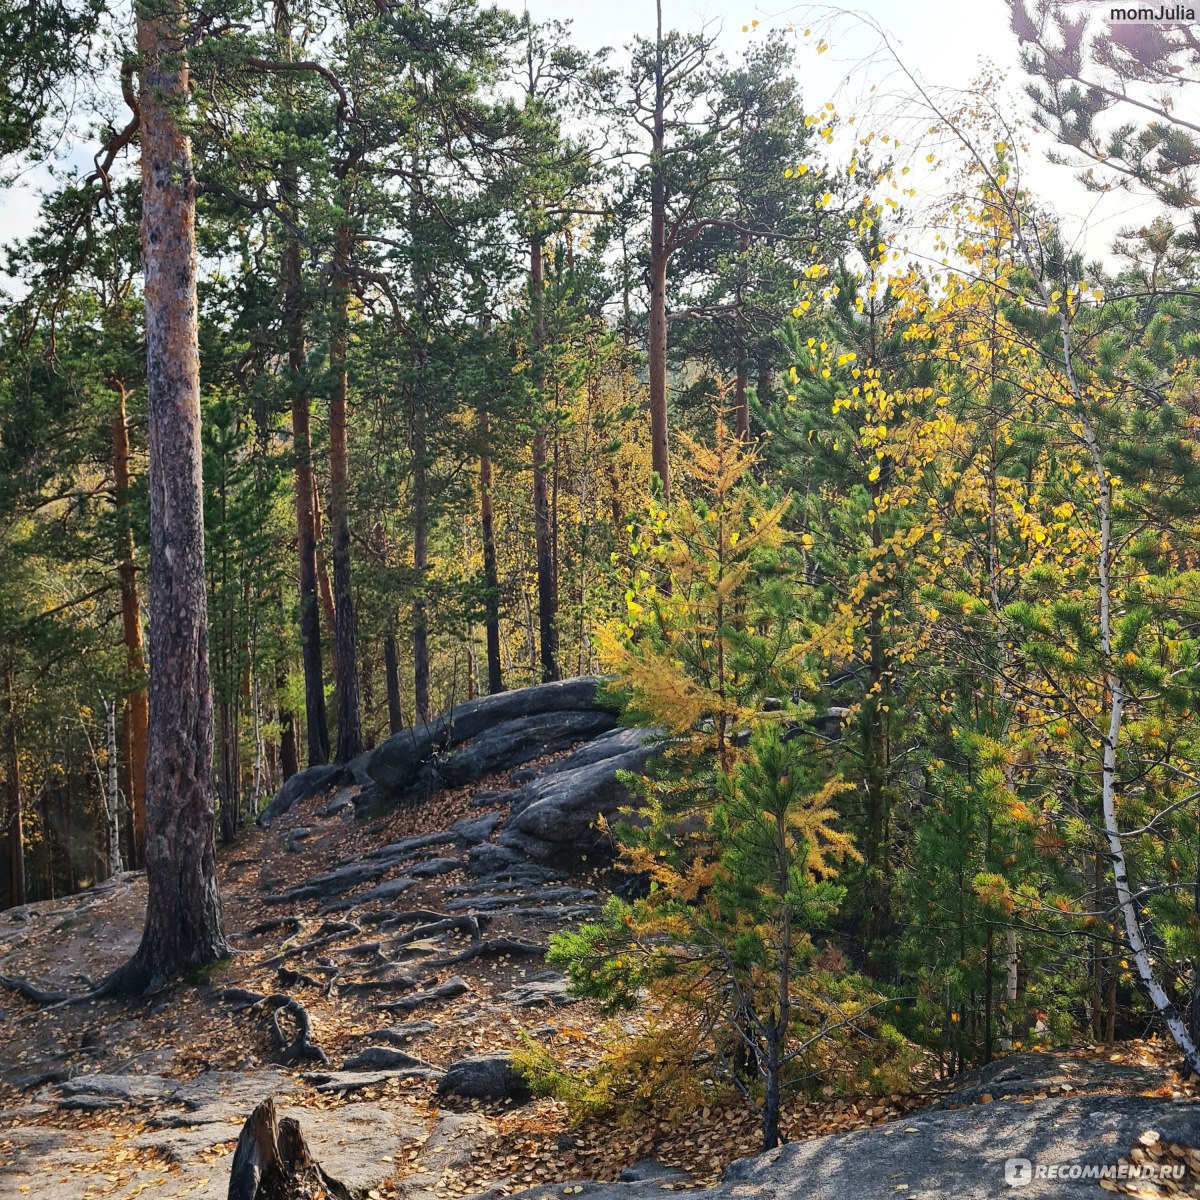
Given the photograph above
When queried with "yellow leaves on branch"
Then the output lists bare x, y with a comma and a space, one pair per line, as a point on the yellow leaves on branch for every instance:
811, 820
686, 593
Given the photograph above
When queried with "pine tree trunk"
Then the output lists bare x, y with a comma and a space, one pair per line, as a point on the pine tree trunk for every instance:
546, 582
113, 791
324, 586
420, 612
763, 387
183, 910
227, 776
349, 729
15, 816
288, 756
741, 398
491, 576
135, 713
316, 720
391, 665
659, 457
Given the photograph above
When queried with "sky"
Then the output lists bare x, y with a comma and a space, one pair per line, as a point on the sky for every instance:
945, 43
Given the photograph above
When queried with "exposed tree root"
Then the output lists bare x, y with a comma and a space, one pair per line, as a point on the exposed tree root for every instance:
389, 916
361, 950
39, 995
292, 924
300, 1048
329, 932
492, 948
290, 978
272, 1161
296, 1049
368, 984
443, 991
466, 924
110, 986
241, 998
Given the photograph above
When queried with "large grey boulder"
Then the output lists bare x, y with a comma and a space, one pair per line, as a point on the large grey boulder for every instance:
978, 1152
488, 859
612, 744
304, 785
485, 1077
396, 764
554, 817
474, 830
540, 993
510, 743
126, 1089
650, 1169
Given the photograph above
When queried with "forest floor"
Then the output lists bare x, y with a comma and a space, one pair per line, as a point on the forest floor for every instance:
113, 1099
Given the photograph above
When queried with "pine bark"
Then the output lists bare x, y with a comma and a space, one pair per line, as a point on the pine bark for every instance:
391, 667
323, 584
420, 609
547, 584
659, 255
491, 574
316, 719
112, 796
419, 442
741, 397
349, 728
183, 910
135, 711
15, 816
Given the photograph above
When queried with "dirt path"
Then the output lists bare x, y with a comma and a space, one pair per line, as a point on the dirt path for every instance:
403, 962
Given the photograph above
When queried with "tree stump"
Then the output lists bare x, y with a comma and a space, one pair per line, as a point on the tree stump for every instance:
272, 1161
